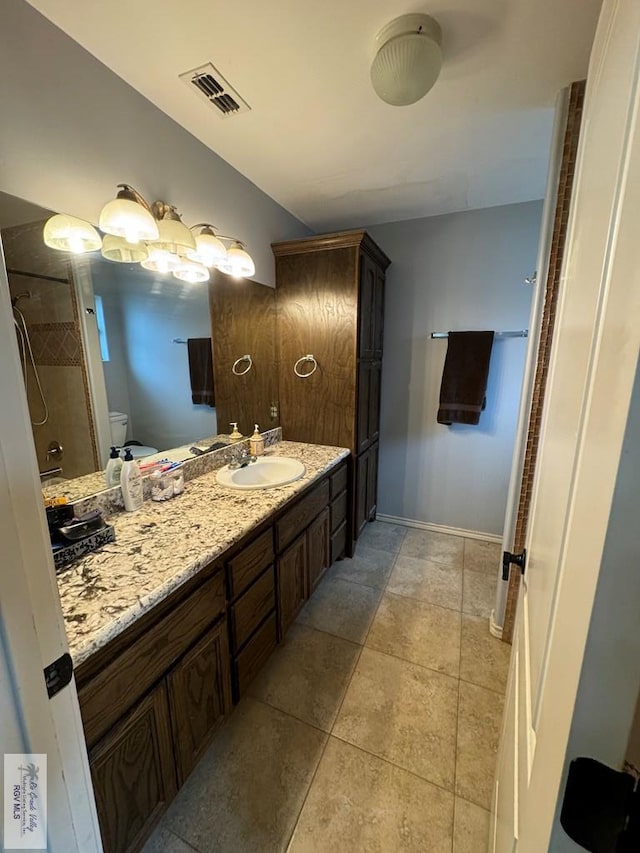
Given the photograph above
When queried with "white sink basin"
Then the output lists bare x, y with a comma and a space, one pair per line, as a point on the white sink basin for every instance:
266, 473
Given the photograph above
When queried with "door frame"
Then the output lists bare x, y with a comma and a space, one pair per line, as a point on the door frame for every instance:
31, 620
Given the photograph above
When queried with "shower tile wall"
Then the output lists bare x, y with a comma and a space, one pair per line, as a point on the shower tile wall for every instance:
51, 316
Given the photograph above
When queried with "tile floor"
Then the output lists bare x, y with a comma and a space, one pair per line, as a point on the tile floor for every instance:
374, 727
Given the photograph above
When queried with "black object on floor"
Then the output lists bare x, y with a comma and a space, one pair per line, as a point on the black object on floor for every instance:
600, 809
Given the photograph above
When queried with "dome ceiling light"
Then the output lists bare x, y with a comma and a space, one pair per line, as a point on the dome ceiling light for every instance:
408, 59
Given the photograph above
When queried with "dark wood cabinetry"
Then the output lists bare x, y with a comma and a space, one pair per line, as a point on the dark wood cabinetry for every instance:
199, 698
330, 303
153, 699
134, 774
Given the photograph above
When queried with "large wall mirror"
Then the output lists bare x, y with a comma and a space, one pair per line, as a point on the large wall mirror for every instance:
97, 337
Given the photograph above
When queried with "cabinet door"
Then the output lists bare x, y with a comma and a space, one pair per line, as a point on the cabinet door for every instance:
318, 548
292, 573
372, 482
133, 774
366, 305
362, 409
199, 697
378, 313
360, 486
373, 422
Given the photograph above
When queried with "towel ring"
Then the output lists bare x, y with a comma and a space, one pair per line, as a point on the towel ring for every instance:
238, 361
301, 360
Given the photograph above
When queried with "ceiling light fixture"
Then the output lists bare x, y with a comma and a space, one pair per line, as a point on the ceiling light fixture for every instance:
152, 235
408, 59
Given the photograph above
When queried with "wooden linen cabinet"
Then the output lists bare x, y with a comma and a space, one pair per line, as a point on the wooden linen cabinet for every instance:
330, 304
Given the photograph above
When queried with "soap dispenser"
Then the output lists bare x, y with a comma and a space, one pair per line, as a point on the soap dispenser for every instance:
114, 466
235, 434
256, 442
131, 483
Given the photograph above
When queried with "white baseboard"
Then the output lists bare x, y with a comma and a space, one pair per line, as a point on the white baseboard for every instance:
440, 528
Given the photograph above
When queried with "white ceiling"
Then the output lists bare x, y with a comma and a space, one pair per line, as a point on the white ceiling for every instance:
317, 138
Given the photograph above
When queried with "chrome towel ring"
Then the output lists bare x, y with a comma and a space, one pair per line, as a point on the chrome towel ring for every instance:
238, 361
305, 358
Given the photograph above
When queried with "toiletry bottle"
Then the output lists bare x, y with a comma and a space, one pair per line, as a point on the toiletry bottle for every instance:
256, 443
113, 469
235, 434
131, 483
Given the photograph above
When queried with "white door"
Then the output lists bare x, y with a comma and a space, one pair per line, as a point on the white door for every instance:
32, 633
593, 363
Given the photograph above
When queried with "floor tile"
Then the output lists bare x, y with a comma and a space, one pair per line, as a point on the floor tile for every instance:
341, 608
470, 828
479, 721
361, 804
404, 713
484, 659
369, 567
164, 841
308, 675
247, 791
418, 632
482, 556
436, 583
438, 547
478, 593
382, 536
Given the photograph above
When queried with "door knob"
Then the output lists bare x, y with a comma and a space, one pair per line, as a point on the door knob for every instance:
55, 451
516, 559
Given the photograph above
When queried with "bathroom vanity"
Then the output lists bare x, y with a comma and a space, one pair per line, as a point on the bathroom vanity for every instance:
169, 624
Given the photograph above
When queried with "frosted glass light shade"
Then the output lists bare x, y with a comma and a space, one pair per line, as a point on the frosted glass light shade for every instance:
125, 218
238, 262
122, 252
160, 260
192, 272
209, 250
408, 59
174, 237
70, 234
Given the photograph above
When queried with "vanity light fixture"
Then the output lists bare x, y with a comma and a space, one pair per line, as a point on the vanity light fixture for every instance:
239, 262
152, 235
210, 250
70, 234
129, 215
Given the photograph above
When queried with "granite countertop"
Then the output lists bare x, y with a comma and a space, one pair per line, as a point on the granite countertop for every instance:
160, 546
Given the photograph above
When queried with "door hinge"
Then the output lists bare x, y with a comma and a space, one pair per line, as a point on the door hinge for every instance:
58, 674
509, 559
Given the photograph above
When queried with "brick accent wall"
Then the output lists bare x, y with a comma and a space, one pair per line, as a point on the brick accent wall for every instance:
556, 256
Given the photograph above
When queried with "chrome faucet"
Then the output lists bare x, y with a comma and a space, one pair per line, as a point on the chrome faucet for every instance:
244, 460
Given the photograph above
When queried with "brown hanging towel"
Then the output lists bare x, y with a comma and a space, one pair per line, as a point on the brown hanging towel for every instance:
201, 371
464, 378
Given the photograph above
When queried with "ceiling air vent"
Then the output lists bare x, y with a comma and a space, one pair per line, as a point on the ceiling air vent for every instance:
209, 83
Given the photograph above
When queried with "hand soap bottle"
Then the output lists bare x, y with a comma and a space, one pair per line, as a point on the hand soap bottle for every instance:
235, 434
131, 483
113, 469
256, 442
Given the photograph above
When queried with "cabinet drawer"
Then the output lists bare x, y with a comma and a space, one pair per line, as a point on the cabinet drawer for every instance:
249, 610
254, 655
338, 511
301, 515
338, 542
338, 481
250, 562
104, 699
